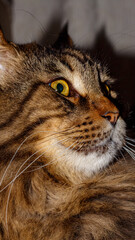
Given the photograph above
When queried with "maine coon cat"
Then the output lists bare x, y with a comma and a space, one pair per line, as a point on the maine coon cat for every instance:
60, 133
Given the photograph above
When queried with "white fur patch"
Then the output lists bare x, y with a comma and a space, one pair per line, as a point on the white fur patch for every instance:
78, 84
2, 67
93, 162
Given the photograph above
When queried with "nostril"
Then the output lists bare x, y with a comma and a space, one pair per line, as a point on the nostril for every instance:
107, 117
112, 117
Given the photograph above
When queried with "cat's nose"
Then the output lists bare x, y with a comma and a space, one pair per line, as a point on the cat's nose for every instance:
112, 117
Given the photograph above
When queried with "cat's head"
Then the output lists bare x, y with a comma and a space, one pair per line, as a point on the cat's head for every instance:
58, 103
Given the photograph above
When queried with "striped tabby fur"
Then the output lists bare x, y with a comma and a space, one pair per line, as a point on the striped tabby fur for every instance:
58, 180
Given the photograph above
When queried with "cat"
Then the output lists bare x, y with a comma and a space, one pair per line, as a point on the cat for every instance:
61, 131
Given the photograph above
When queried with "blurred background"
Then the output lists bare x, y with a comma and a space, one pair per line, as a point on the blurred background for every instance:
106, 28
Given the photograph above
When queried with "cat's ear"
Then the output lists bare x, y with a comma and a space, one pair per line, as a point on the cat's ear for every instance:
2, 39
64, 40
8, 55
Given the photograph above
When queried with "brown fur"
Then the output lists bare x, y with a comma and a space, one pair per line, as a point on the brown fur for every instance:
54, 198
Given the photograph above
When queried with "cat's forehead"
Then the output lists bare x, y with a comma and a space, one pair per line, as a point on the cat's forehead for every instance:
73, 65
77, 68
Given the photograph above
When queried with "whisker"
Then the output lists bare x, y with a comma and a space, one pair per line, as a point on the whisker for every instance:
60, 133
130, 139
80, 146
6, 213
19, 173
53, 160
54, 133
15, 155
129, 148
130, 153
12, 182
133, 145
34, 18
116, 158
122, 155
16, 176
72, 145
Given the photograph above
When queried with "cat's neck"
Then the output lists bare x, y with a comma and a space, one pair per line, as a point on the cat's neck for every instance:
64, 173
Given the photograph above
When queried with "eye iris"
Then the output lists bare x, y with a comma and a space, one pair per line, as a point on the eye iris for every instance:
107, 88
59, 87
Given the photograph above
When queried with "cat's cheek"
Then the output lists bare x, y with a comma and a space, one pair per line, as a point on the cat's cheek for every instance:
91, 163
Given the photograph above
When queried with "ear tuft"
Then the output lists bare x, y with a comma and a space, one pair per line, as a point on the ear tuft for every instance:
7, 49
2, 39
64, 40
8, 57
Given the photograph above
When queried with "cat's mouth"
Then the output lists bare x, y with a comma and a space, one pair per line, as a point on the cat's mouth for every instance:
111, 142
89, 155
100, 148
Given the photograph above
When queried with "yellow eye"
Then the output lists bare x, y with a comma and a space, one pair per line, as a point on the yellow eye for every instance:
60, 86
107, 88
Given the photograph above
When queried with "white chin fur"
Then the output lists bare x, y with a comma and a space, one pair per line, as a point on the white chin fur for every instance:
93, 162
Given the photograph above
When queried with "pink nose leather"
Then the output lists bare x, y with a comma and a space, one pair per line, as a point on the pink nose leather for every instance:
112, 117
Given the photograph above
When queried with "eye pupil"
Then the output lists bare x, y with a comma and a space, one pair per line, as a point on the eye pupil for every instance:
59, 87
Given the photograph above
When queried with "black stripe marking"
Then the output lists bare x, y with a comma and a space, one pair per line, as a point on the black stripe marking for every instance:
50, 51
74, 56
87, 59
50, 175
27, 190
66, 64
22, 105
82, 61
23, 133
51, 67
28, 129
1, 230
